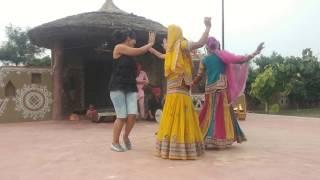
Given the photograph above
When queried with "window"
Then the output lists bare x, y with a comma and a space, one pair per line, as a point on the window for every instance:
36, 78
10, 90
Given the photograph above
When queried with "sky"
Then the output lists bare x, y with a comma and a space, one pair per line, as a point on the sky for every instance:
286, 26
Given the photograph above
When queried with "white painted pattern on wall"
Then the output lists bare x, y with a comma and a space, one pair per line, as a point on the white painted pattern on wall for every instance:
33, 101
3, 105
3, 75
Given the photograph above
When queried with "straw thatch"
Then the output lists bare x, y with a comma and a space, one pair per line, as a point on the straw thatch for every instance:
92, 27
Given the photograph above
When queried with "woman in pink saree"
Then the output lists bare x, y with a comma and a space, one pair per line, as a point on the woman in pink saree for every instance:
226, 77
142, 79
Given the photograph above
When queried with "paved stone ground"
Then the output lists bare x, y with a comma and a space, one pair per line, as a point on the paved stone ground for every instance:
279, 147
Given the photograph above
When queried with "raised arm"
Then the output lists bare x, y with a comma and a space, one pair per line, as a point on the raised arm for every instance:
257, 51
203, 40
129, 51
157, 53
121, 49
230, 58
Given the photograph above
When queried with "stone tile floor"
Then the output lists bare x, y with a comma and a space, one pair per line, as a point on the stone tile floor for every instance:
278, 147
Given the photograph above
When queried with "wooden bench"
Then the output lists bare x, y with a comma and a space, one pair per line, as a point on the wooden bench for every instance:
107, 115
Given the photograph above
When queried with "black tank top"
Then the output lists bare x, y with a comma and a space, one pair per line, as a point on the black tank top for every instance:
124, 74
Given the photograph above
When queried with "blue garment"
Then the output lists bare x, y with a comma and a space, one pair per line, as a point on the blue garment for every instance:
214, 67
125, 103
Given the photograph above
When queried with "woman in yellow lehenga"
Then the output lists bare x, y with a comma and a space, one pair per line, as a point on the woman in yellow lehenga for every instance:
179, 135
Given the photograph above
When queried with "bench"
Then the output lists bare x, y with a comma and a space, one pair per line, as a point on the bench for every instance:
107, 114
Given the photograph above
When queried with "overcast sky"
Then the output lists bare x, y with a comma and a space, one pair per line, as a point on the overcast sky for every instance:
286, 26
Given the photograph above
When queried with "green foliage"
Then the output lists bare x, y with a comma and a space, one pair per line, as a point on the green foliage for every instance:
263, 86
18, 50
275, 108
45, 61
263, 61
295, 77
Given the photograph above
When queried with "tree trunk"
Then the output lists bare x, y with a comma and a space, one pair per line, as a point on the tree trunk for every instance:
57, 53
297, 106
266, 107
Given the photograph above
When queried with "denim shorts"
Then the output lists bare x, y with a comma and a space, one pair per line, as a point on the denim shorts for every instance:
125, 103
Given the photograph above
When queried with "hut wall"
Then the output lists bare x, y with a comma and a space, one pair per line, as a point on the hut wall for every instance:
25, 94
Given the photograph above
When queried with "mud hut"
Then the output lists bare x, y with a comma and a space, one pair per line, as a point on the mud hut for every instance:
80, 72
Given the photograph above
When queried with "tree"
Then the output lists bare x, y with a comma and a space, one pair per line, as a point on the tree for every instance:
263, 61
253, 73
18, 50
45, 61
263, 87
311, 76
298, 78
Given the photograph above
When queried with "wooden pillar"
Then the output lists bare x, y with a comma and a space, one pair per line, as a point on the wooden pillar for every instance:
58, 57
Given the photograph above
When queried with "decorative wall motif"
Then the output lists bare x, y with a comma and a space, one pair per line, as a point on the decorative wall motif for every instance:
3, 75
3, 105
33, 101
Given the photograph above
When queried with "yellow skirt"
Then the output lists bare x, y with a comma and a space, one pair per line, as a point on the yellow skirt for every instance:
179, 135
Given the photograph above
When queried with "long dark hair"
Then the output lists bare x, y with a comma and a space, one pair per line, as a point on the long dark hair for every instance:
121, 35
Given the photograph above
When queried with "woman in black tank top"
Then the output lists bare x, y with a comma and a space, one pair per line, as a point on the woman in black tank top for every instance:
123, 89
123, 77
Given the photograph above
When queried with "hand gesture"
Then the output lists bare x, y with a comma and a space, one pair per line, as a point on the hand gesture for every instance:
164, 44
207, 22
259, 48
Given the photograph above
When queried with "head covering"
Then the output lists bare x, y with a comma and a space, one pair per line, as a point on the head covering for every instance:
177, 60
213, 44
236, 73
174, 35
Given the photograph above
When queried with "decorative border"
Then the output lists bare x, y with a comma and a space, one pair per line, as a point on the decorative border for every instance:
198, 100
5, 70
25, 69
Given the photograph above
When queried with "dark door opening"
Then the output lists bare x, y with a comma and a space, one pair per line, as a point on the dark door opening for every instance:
98, 70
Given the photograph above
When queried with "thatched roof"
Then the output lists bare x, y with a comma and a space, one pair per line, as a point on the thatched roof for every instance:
109, 6
92, 27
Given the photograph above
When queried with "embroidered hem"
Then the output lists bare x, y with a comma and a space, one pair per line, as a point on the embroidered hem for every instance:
181, 151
